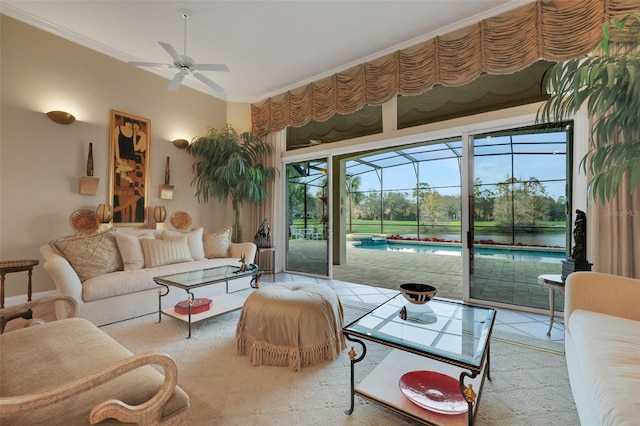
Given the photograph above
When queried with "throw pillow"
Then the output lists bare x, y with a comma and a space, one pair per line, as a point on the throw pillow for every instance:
194, 240
90, 255
165, 252
216, 244
131, 249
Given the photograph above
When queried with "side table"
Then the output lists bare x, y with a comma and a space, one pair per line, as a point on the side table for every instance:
553, 283
266, 260
8, 266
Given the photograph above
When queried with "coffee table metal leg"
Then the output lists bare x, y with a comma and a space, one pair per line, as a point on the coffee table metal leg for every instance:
160, 296
191, 299
255, 281
468, 393
354, 360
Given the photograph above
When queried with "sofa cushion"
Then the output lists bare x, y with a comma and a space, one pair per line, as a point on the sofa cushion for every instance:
126, 282
194, 240
165, 252
609, 360
216, 244
131, 249
90, 255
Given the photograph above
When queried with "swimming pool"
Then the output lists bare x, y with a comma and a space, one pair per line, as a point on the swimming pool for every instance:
486, 252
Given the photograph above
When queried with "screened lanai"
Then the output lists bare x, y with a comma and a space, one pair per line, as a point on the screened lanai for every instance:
408, 200
403, 201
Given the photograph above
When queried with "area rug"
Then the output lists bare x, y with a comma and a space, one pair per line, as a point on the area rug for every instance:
529, 386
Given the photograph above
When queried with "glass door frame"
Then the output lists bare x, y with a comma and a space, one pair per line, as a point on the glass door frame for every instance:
284, 225
467, 191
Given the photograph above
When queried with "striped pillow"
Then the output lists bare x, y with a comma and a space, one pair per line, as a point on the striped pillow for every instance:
165, 252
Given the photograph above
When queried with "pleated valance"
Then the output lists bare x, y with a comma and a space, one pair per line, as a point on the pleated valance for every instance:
553, 30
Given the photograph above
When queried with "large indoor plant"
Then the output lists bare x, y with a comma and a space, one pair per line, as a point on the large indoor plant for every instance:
607, 83
229, 165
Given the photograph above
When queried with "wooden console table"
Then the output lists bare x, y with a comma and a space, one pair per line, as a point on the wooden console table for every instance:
8, 266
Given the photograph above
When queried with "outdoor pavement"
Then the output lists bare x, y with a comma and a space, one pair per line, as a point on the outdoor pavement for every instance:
504, 281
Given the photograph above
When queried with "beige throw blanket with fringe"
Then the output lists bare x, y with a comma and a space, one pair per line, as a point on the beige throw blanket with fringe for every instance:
294, 324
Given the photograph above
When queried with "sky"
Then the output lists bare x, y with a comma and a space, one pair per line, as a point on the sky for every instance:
535, 155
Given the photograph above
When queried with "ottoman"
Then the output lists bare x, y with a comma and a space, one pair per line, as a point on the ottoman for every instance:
291, 324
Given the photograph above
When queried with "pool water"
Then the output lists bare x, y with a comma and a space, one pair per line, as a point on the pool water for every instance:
486, 252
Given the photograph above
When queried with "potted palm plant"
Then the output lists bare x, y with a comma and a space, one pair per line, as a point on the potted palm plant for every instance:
607, 82
229, 165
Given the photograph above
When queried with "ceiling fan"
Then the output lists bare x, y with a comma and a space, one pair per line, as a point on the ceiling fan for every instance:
185, 64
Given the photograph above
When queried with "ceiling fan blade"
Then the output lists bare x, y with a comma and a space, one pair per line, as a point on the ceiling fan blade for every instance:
211, 67
175, 83
208, 82
149, 64
171, 51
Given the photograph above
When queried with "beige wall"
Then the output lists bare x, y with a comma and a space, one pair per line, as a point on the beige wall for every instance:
41, 162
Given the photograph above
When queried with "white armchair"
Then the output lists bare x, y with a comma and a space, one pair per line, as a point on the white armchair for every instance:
295, 233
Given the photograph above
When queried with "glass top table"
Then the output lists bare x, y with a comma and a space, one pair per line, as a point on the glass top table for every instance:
453, 337
203, 277
191, 280
440, 328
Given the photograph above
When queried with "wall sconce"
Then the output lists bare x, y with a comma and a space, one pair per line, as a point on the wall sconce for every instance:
159, 215
180, 143
166, 190
89, 184
61, 117
105, 214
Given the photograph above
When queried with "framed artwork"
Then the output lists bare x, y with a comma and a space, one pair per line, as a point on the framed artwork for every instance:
129, 142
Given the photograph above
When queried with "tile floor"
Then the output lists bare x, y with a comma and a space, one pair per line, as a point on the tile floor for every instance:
525, 324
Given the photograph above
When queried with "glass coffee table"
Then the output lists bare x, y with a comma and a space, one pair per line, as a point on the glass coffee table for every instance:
438, 364
191, 280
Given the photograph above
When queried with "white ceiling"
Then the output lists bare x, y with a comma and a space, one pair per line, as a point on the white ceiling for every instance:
269, 46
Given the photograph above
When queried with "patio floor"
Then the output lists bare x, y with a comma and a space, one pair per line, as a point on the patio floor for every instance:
504, 281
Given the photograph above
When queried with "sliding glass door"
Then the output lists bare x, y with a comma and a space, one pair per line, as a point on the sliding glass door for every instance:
307, 216
518, 213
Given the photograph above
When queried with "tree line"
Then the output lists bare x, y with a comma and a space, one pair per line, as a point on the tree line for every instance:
513, 202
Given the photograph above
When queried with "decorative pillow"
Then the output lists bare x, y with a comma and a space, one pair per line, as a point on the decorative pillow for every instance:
194, 240
165, 252
131, 249
216, 244
90, 255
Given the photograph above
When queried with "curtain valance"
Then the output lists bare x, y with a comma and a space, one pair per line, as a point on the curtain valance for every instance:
553, 30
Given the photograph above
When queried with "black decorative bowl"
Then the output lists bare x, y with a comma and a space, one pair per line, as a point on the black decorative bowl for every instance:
418, 293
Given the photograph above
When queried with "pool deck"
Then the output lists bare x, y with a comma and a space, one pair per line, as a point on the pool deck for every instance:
502, 281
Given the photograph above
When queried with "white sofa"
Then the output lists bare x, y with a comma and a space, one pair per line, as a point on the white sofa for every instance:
602, 344
112, 280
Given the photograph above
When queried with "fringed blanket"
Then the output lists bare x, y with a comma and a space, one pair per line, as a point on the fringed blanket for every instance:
294, 324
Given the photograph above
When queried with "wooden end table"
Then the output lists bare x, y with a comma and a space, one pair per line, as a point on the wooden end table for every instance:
8, 266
